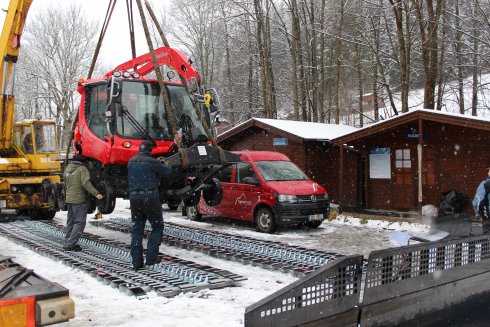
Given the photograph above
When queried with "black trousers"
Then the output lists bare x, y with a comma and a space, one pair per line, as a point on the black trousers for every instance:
141, 211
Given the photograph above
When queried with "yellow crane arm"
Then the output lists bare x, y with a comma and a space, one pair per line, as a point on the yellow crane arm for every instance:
9, 51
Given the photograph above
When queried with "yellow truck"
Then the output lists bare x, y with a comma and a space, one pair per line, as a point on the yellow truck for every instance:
29, 169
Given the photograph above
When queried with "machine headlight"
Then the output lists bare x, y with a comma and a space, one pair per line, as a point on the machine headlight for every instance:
287, 198
326, 196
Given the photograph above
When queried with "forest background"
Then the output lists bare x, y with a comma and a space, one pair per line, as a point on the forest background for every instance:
307, 60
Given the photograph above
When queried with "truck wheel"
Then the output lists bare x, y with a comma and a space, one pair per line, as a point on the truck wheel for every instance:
192, 213
92, 204
264, 221
173, 203
22, 212
313, 224
42, 214
212, 192
61, 197
193, 200
107, 204
53, 197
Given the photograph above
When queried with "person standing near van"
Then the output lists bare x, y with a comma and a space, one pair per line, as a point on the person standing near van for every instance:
144, 175
78, 187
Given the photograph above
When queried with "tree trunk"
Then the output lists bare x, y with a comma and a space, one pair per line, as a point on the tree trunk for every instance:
337, 51
428, 37
459, 61
404, 66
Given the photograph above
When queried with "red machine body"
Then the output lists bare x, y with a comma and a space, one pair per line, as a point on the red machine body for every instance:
125, 106
116, 148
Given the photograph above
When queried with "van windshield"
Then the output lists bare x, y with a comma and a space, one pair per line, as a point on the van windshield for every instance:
280, 171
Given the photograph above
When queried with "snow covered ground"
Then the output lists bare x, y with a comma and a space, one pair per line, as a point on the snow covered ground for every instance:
98, 304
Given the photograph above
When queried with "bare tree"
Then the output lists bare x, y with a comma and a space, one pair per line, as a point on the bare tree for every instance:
59, 45
428, 17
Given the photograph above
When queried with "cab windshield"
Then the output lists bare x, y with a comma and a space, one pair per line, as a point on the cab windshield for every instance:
280, 171
143, 101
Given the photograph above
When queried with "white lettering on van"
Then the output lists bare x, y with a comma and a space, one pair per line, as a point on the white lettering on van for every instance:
241, 200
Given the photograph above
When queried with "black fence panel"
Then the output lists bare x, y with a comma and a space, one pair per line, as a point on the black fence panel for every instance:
329, 294
431, 279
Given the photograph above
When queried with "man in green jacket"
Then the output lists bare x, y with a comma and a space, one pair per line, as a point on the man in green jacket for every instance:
78, 187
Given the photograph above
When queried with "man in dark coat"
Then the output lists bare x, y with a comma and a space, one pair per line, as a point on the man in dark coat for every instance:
144, 175
78, 187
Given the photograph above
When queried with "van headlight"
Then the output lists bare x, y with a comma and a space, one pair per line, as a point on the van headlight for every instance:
287, 198
326, 196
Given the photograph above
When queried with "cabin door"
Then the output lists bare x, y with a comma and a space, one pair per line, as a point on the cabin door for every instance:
405, 182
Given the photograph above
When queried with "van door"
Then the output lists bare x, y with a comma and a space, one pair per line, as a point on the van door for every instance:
245, 195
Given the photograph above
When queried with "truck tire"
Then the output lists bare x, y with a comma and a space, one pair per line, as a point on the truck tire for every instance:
107, 204
42, 214
22, 212
212, 192
61, 197
53, 197
264, 221
173, 203
192, 213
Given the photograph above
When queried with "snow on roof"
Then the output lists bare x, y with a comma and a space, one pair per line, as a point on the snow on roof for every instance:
413, 111
307, 130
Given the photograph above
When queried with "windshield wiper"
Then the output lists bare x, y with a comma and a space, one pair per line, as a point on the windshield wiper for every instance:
136, 125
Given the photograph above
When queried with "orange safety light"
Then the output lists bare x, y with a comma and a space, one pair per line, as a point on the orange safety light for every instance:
18, 312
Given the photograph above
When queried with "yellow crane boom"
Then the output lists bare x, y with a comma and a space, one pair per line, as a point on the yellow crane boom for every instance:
9, 51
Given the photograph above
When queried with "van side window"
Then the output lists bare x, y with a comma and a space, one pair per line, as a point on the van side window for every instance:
224, 175
244, 170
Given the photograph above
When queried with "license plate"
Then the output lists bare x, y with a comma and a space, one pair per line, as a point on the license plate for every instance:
315, 217
3, 203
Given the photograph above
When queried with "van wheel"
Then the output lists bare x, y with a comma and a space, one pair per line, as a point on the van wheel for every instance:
264, 221
192, 213
314, 224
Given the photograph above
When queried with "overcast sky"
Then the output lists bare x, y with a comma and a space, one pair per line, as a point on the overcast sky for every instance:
117, 35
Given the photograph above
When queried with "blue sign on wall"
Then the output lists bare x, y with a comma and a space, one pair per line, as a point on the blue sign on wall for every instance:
279, 141
413, 134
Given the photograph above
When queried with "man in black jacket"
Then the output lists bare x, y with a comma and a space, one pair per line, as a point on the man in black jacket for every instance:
144, 175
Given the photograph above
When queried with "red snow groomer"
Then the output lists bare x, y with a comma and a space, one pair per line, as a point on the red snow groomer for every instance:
124, 107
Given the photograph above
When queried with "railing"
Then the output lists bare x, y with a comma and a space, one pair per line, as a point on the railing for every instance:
427, 284
333, 290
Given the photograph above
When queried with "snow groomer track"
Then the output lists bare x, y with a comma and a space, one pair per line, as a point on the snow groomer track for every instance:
110, 262
266, 254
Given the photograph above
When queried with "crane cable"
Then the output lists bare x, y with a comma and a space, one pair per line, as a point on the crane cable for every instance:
129, 7
110, 9
158, 72
184, 83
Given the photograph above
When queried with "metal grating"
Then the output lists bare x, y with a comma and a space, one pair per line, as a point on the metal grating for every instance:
270, 255
433, 263
110, 261
326, 292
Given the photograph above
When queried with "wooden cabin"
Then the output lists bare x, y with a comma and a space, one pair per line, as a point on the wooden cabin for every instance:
407, 161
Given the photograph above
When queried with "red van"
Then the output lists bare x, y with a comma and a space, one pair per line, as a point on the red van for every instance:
267, 189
